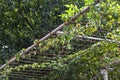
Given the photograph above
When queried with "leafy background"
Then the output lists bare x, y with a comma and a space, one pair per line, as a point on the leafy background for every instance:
84, 60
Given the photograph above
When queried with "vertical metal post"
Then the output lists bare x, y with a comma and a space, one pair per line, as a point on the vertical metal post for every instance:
104, 73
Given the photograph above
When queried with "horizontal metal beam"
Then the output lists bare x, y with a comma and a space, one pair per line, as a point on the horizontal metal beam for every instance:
96, 39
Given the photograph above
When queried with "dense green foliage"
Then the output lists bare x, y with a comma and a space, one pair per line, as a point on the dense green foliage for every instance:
85, 61
23, 21
103, 21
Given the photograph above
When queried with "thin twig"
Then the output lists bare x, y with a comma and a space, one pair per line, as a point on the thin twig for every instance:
113, 63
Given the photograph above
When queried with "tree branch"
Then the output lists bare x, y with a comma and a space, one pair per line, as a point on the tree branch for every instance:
114, 63
25, 19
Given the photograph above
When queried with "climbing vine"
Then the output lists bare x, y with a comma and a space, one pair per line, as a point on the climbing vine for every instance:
82, 61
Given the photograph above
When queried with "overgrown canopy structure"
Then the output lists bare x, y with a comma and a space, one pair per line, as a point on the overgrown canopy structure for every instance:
87, 44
